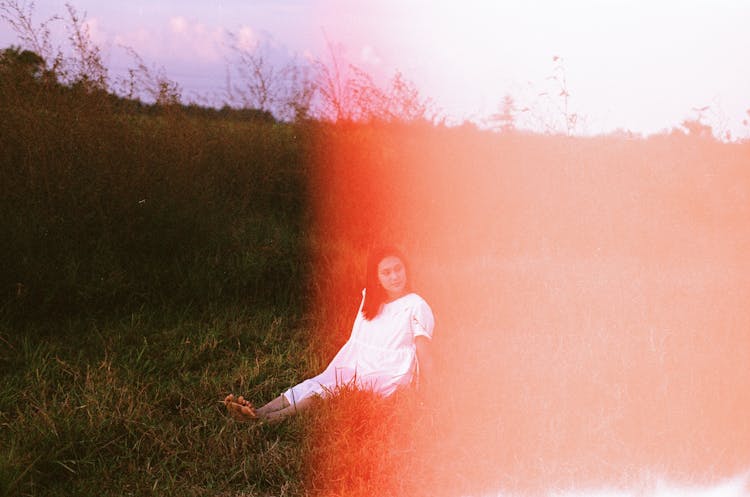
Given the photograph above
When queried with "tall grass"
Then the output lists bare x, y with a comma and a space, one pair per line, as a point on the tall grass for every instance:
113, 209
588, 295
584, 289
154, 259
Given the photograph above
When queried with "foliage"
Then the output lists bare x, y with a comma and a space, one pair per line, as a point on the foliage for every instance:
345, 92
34, 37
18, 63
257, 79
159, 259
504, 120
118, 204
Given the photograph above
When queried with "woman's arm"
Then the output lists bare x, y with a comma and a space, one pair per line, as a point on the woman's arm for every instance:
424, 359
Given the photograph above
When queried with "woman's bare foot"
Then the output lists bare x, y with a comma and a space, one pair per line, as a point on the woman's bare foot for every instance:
239, 408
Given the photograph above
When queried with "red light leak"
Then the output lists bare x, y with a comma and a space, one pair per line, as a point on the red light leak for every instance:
591, 298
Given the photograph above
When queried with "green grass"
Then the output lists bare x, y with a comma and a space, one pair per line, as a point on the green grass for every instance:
132, 406
153, 262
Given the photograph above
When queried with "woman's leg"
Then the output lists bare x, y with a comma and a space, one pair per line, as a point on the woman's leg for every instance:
241, 408
278, 408
289, 410
276, 404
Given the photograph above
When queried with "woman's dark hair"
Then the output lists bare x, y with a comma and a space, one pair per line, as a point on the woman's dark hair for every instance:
374, 292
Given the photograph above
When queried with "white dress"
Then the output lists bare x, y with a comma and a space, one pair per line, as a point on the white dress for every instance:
380, 354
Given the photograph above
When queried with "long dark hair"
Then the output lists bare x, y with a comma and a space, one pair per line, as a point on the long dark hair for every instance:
374, 292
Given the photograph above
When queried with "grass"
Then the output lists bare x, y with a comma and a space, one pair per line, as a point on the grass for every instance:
132, 407
108, 208
589, 294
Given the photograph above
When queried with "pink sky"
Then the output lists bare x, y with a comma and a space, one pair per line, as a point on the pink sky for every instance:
637, 65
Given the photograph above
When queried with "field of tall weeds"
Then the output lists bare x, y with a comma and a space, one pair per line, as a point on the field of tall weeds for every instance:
106, 207
589, 294
152, 259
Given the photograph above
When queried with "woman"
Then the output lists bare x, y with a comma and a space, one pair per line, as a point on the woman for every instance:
388, 346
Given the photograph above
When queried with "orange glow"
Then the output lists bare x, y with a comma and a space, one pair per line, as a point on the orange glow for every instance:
590, 298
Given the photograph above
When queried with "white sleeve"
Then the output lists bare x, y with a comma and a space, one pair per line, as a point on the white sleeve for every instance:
422, 320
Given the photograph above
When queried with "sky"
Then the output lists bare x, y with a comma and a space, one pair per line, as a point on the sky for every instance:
639, 65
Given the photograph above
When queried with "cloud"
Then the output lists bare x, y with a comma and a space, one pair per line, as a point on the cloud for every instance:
182, 39
178, 25
368, 55
247, 39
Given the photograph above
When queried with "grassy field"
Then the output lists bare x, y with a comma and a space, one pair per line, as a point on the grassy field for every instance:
152, 263
589, 298
589, 292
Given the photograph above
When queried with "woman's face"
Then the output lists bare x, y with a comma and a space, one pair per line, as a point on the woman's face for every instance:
392, 276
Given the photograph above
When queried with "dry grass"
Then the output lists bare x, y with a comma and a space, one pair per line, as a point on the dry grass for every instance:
589, 296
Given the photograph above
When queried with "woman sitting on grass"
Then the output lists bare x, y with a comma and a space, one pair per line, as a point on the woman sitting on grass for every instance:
388, 346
